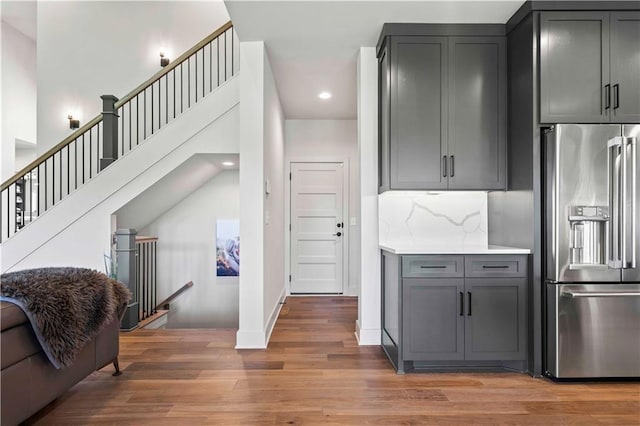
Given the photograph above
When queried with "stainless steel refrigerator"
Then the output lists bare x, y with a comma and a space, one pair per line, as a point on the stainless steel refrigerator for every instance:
592, 236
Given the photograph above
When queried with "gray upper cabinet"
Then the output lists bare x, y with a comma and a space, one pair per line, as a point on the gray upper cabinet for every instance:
418, 112
589, 72
625, 67
384, 78
442, 113
477, 112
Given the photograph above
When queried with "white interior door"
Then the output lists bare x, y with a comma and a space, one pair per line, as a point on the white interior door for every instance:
317, 227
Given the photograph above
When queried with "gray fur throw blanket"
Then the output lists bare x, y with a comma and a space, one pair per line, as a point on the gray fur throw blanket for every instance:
66, 306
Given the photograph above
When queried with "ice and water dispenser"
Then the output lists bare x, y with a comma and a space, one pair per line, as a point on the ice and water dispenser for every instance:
587, 246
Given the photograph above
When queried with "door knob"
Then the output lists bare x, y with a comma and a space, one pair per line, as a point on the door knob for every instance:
339, 225
338, 234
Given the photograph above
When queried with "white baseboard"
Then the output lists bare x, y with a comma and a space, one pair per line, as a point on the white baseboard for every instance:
274, 316
367, 336
260, 339
250, 340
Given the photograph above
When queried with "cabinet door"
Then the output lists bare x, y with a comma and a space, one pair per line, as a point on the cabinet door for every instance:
574, 67
625, 67
418, 112
384, 77
495, 326
391, 296
432, 319
477, 112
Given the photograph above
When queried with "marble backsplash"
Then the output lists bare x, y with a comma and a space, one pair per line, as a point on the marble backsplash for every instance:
419, 218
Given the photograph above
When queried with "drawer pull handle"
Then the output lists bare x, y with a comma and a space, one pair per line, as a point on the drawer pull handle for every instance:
495, 266
469, 308
461, 304
433, 267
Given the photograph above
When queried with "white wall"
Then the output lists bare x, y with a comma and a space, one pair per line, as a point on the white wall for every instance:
186, 251
87, 49
261, 156
18, 69
368, 324
274, 236
24, 156
329, 140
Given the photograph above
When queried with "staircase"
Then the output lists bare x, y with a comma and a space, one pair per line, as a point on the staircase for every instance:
57, 210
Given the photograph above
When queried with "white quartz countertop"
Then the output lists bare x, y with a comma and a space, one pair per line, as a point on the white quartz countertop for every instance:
409, 248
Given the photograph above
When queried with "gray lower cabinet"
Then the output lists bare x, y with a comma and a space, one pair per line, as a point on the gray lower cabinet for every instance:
473, 314
589, 68
495, 321
432, 318
442, 113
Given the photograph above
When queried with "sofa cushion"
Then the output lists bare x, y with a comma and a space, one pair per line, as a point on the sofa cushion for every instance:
11, 315
18, 343
15, 392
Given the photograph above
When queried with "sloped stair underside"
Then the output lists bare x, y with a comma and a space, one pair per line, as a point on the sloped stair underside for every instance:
77, 231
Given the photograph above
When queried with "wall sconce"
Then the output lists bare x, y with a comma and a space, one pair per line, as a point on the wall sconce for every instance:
73, 123
163, 61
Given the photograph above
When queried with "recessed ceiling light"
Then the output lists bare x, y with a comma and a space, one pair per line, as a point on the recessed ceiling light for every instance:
228, 163
324, 95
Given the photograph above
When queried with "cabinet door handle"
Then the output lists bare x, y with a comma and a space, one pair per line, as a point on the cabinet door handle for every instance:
432, 267
444, 166
469, 308
607, 96
495, 266
616, 98
461, 304
451, 172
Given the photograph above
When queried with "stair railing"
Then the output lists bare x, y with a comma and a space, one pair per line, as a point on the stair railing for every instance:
122, 126
146, 276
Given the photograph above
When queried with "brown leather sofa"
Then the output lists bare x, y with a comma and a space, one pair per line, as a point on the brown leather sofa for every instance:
29, 381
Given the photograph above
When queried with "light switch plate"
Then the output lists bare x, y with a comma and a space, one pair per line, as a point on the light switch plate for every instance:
354, 221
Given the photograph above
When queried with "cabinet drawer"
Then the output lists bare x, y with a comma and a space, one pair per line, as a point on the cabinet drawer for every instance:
432, 266
495, 266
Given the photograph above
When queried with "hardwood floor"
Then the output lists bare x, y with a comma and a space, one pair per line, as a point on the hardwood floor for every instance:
315, 373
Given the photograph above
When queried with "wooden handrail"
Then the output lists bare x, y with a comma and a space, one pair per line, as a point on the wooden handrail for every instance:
143, 239
175, 294
180, 59
42, 158
135, 92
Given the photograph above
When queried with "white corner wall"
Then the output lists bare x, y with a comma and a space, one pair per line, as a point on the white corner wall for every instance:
18, 89
186, 251
251, 292
261, 217
274, 255
328, 140
92, 48
368, 324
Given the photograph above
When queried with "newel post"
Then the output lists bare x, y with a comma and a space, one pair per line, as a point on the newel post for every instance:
126, 261
109, 130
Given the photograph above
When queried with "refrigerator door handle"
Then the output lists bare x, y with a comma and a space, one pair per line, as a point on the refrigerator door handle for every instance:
614, 164
630, 251
574, 294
